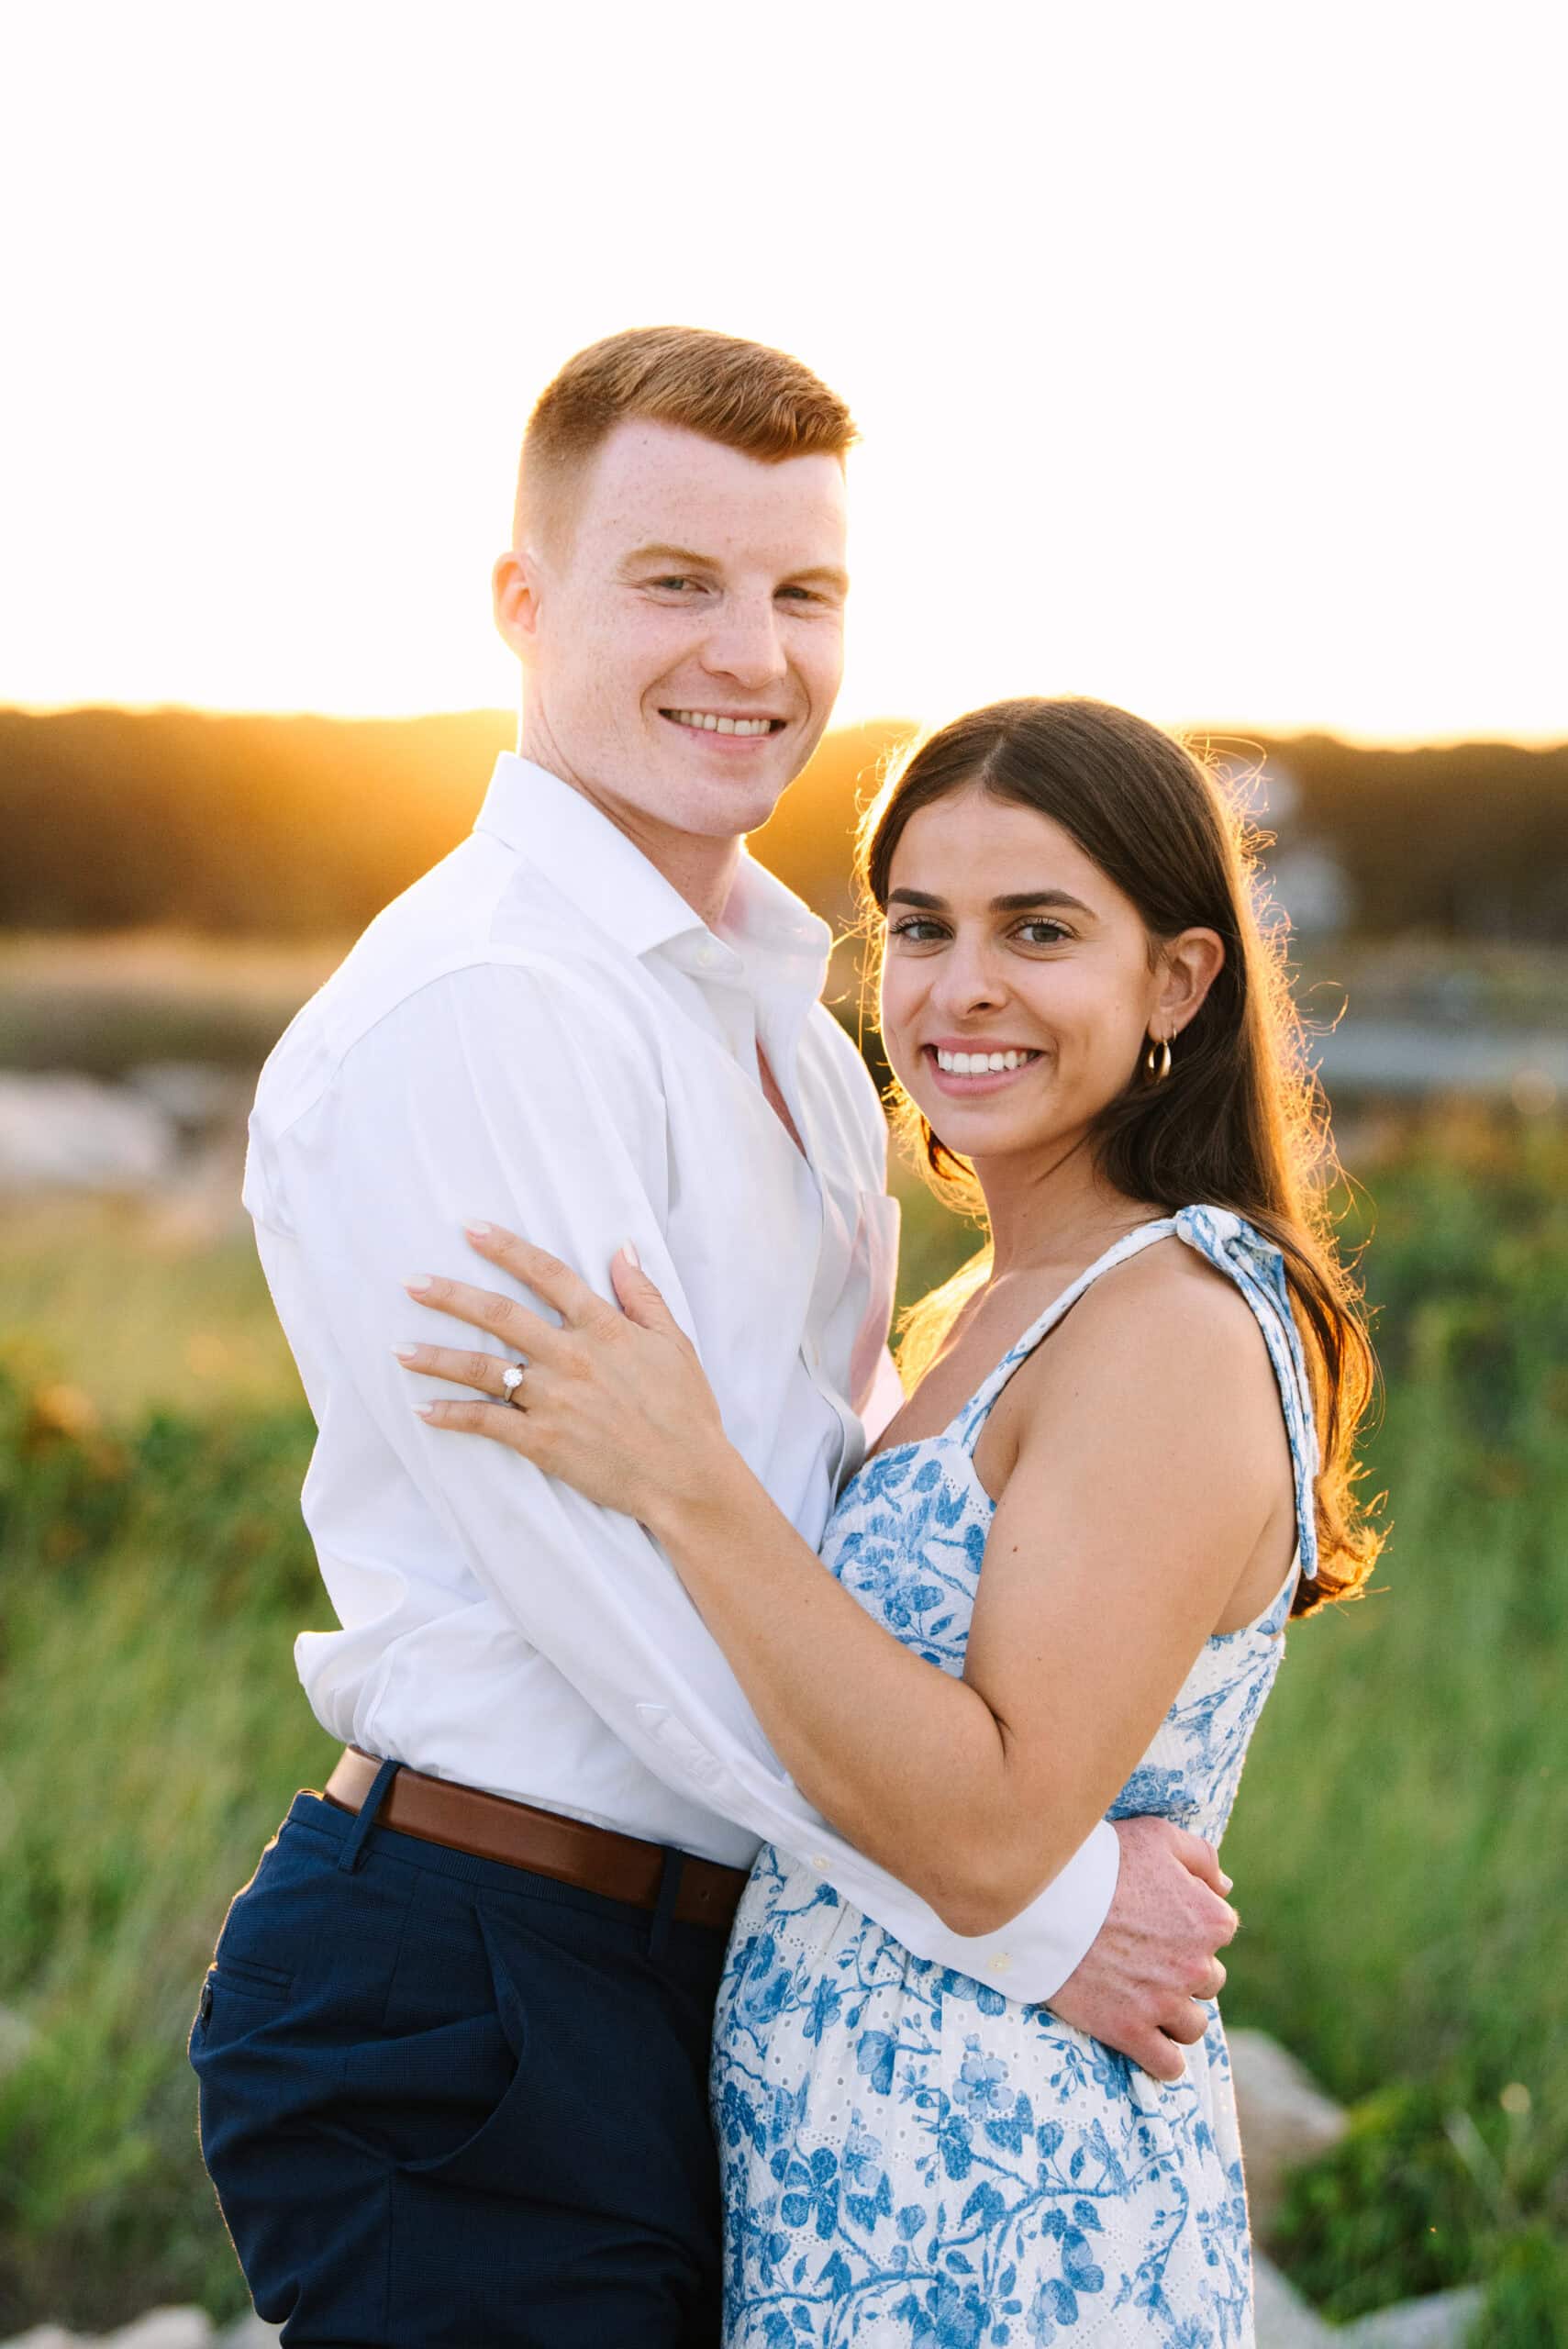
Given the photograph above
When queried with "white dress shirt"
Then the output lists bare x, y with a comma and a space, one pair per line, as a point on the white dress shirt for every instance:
541, 1033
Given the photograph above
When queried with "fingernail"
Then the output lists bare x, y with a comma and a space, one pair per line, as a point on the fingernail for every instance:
629, 1250
1228, 1881
405, 1354
477, 1230
424, 1410
416, 1281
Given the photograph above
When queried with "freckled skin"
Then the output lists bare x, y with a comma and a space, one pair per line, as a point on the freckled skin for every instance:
609, 643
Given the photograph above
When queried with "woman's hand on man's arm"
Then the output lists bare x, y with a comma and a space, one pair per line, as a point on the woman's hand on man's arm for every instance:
613, 1401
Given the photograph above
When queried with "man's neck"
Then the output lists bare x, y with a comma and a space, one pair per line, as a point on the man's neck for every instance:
700, 869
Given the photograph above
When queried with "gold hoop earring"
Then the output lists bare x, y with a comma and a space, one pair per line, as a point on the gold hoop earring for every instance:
1157, 1060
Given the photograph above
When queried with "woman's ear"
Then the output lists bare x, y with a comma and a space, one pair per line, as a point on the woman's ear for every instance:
1189, 966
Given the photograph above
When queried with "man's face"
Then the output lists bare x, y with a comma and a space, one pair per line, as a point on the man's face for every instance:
682, 634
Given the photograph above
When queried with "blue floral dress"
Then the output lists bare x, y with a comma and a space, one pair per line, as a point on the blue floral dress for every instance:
909, 2156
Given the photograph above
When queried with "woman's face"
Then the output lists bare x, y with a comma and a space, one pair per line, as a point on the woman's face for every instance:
1018, 991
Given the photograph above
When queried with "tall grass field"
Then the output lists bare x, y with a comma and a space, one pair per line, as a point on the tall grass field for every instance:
1398, 1849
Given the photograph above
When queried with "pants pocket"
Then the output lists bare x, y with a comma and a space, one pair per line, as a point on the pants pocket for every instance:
470, 2072
250, 1976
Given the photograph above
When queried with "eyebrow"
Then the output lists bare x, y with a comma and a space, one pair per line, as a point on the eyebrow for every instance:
825, 574
682, 558
1019, 901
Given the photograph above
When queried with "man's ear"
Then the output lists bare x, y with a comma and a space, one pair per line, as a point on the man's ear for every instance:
1189, 968
515, 591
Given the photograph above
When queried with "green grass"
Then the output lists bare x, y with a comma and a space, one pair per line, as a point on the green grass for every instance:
150, 1732
1397, 1845
123, 1303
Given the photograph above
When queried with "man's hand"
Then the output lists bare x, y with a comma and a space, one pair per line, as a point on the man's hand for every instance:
1156, 1954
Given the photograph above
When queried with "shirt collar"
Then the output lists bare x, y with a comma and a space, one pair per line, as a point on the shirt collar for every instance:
766, 934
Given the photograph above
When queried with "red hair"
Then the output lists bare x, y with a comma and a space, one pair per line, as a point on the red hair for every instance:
742, 395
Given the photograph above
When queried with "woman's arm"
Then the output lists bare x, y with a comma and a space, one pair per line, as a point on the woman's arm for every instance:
1137, 1496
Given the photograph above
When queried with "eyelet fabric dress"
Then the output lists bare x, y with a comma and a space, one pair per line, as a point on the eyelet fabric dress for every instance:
909, 2156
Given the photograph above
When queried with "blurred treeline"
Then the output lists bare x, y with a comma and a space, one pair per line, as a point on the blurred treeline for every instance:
305, 827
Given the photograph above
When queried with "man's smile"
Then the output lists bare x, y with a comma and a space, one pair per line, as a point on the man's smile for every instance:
749, 726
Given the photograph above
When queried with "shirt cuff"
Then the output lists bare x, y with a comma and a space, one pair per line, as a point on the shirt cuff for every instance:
1042, 1948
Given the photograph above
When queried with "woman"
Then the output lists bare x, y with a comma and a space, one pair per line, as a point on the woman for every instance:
1058, 1587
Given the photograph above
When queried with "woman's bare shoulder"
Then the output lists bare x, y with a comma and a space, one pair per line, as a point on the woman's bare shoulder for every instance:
1165, 1315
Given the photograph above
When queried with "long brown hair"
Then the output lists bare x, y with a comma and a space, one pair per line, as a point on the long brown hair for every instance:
1240, 1122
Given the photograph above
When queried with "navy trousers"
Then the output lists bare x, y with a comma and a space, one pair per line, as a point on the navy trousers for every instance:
445, 2101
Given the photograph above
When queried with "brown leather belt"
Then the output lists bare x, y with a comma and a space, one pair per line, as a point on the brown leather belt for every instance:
490, 1827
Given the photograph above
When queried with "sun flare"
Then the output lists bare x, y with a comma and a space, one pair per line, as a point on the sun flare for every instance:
1194, 370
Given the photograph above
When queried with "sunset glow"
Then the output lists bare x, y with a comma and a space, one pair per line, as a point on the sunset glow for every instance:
1201, 357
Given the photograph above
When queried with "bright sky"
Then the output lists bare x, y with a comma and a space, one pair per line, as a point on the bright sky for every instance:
1206, 354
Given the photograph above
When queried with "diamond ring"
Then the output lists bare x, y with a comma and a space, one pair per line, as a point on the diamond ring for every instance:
511, 1379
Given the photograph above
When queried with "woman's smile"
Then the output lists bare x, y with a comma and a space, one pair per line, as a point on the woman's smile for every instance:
965, 1068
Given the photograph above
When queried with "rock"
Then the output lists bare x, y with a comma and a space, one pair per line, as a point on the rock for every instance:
69, 1133
1444, 2322
194, 1093
1283, 2319
1285, 2120
203, 1201
159, 2329
1283, 2322
164, 2329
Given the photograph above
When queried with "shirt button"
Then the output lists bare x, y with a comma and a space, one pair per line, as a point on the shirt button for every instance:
819, 1862
708, 956
1001, 1961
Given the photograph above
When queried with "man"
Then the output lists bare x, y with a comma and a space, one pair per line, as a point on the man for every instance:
454, 2046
